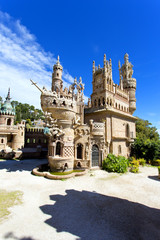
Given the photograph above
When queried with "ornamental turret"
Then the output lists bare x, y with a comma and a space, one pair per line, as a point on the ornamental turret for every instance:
129, 83
57, 83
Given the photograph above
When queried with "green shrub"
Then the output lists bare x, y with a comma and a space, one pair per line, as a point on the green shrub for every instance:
115, 164
142, 161
159, 169
155, 162
134, 165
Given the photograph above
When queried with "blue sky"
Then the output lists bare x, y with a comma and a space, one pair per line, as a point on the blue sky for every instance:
33, 33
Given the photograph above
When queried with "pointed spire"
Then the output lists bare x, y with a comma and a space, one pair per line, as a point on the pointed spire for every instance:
58, 62
119, 65
104, 60
120, 76
8, 95
93, 67
99, 66
126, 57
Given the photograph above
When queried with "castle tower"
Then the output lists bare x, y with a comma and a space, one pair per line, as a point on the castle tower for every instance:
102, 85
7, 112
57, 83
129, 83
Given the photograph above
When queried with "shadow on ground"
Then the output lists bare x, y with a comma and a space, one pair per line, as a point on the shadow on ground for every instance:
11, 235
22, 165
154, 178
90, 215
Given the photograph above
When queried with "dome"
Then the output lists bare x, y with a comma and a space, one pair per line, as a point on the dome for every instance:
7, 108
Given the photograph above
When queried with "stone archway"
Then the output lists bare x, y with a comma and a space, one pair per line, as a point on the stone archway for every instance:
95, 156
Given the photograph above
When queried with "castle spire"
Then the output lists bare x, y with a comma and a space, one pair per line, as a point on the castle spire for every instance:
93, 67
120, 76
58, 62
8, 95
104, 60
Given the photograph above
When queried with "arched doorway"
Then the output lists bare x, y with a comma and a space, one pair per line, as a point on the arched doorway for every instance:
95, 156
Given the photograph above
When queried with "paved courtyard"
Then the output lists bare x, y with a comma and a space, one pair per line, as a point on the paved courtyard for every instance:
97, 206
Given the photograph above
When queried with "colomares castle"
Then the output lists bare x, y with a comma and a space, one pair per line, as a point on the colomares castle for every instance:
82, 135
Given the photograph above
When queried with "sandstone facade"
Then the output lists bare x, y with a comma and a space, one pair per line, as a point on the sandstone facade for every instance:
11, 136
81, 136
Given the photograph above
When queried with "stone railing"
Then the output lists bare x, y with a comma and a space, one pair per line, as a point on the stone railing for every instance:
7, 127
122, 93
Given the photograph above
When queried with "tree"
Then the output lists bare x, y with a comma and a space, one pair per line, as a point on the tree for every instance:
147, 142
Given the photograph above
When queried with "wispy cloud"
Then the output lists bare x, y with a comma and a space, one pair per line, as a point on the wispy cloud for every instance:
22, 58
152, 114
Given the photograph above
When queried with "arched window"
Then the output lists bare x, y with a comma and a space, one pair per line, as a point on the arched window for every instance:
39, 140
2, 141
99, 102
58, 148
116, 105
103, 101
28, 140
95, 103
79, 150
9, 121
34, 140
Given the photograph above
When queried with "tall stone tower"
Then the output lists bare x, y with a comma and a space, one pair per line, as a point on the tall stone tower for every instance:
102, 84
57, 83
129, 83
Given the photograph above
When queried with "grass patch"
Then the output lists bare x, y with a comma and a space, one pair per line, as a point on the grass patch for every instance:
7, 200
65, 173
110, 177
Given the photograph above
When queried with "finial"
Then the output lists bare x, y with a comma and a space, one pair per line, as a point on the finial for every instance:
99, 66
80, 80
75, 80
93, 67
104, 60
110, 62
119, 65
126, 57
58, 59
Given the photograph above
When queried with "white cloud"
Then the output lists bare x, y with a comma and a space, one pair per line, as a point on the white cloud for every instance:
22, 58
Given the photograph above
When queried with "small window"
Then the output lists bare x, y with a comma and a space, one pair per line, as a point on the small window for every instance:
21, 133
39, 140
28, 140
34, 140
99, 102
58, 148
45, 140
57, 74
119, 149
2, 140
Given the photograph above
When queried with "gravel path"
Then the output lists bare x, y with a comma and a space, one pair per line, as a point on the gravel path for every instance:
97, 206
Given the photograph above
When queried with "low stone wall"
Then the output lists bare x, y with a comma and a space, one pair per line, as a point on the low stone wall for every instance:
57, 177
